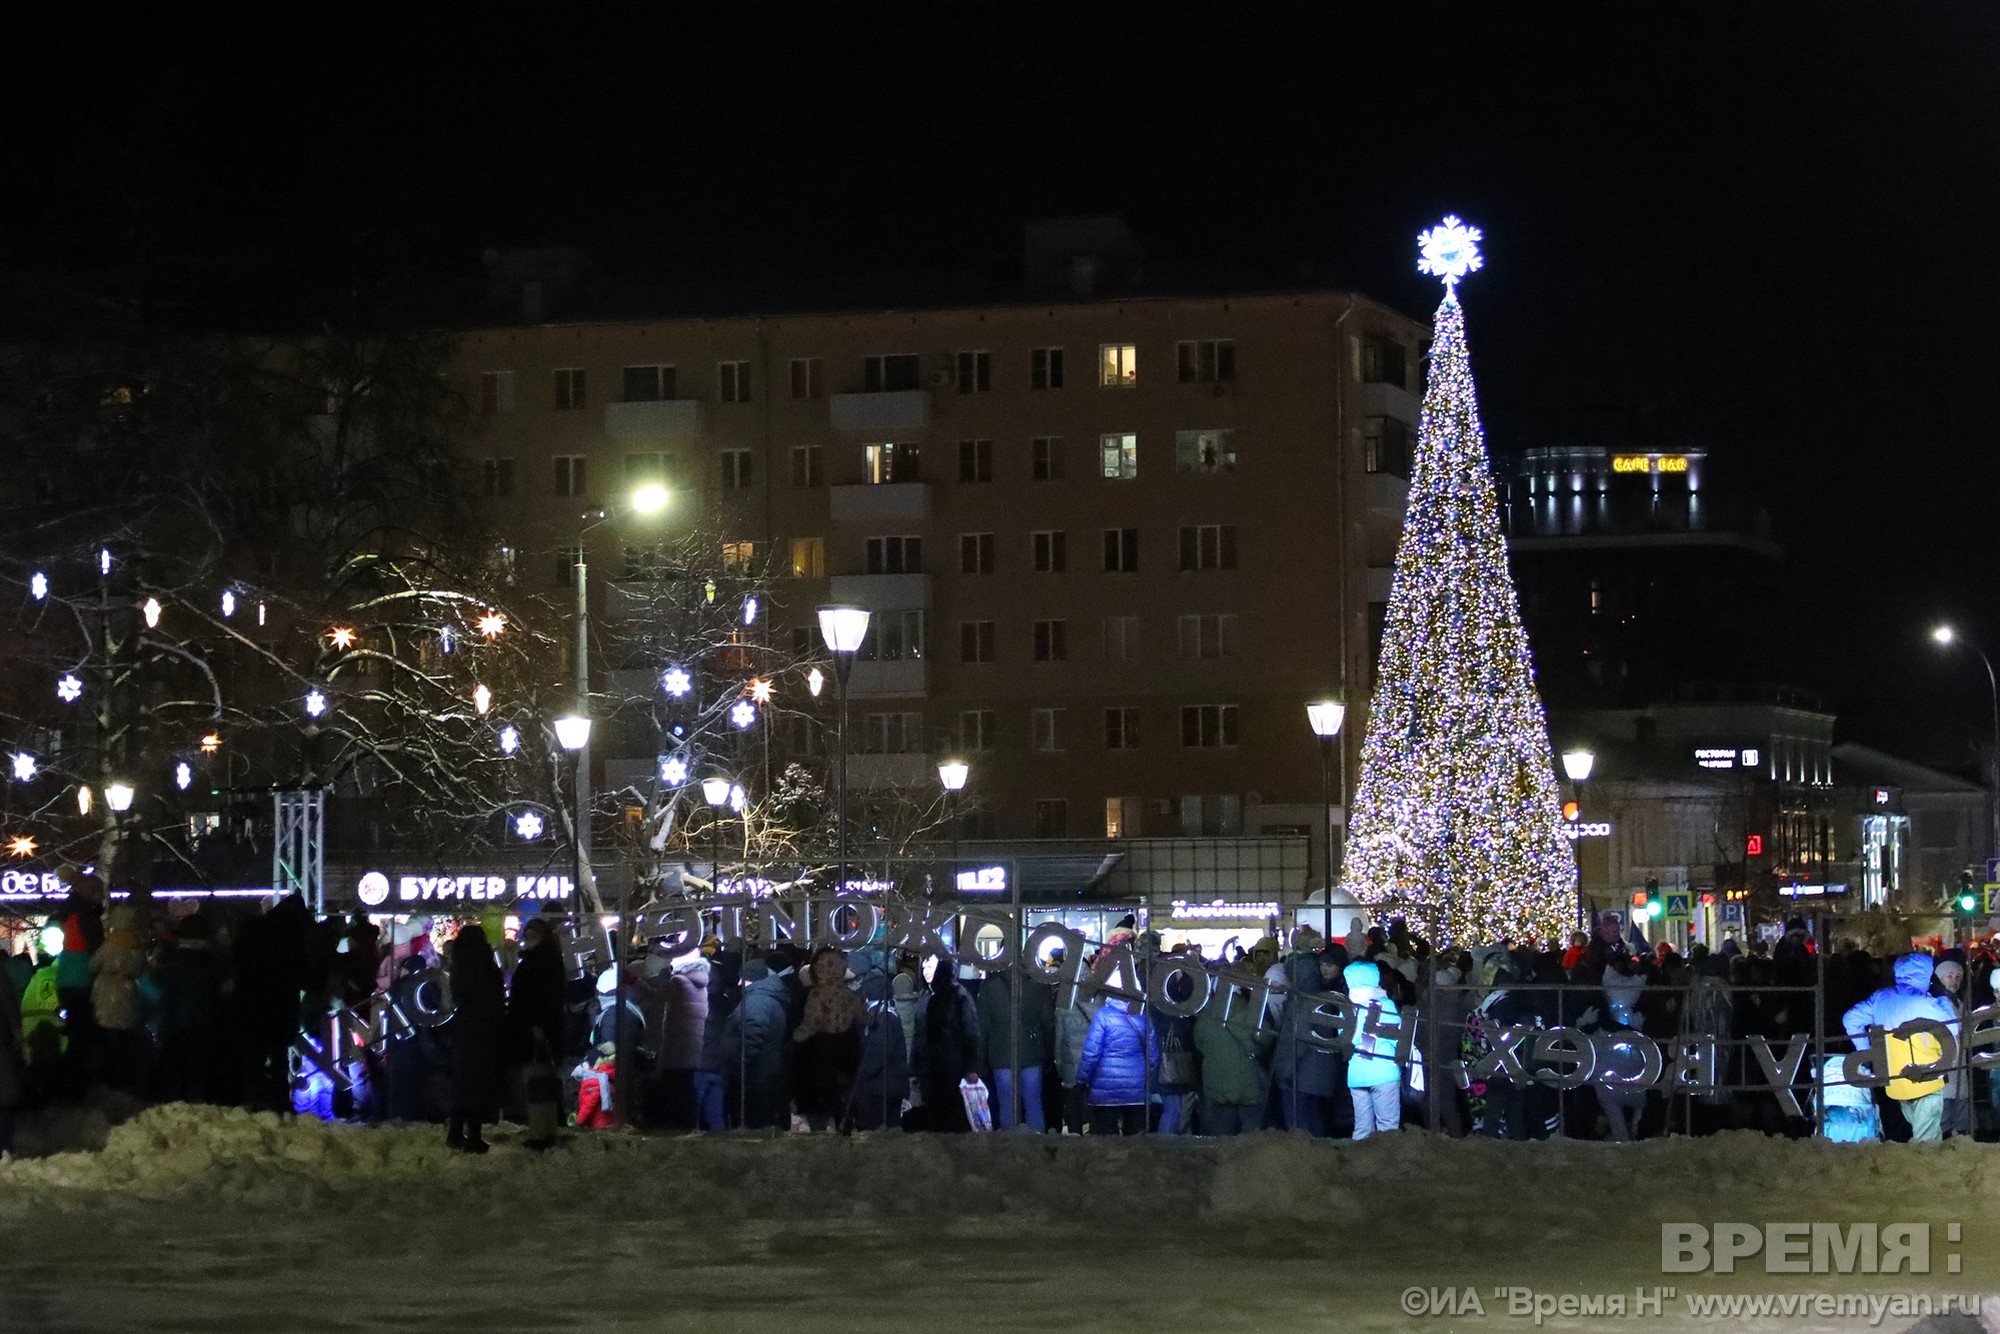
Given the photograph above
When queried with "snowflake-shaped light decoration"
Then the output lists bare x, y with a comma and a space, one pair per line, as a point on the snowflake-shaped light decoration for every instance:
24, 767
510, 740
21, 845
38, 585
447, 640
482, 698
85, 799
68, 688
228, 602
676, 681
341, 636
528, 825
315, 703
674, 770
1449, 251
760, 690
260, 613
150, 609
492, 624
750, 610
183, 775
738, 798
743, 713
104, 561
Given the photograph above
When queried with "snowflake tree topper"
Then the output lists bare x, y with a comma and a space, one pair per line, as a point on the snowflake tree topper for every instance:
1449, 251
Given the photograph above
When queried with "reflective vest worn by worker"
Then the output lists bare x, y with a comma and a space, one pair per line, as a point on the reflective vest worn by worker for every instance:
44, 1035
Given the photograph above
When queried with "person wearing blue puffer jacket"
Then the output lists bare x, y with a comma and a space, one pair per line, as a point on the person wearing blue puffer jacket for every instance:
1121, 1048
1908, 997
1374, 1080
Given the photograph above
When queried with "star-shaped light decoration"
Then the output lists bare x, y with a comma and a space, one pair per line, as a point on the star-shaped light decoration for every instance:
482, 698
21, 845
341, 636
38, 585
183, 775
228, 603
150, 609
674, 770
528, 825
492, 624
85, 799
815, 681
743, 713
315, 703
750, 610
510, 740
211, 743
24, 768
68, 688
1449, 251
676, 681
760, 690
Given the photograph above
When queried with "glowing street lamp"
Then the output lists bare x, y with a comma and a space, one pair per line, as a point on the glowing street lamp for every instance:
650, 498
1325, 716
953, 773
843, 628
1947, 637
1578, 762
715, 791
573, 731
118, 796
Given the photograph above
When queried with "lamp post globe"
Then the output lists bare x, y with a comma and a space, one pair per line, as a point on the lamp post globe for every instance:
1578, 762
573, 731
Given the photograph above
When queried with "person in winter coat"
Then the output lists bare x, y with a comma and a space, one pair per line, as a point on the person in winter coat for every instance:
81, 917
194, 1042
1118, 1055
996, 1028
947, 1051
272, 967
908, 990
414, 1059
114, 1000
1619, 1061
478, 1023
883, 1080
536, 1013
1374, 1080
711, 1075
1232, 1054
1710, 1013
1071, 1031
755, 1050
13, 1067
1306, 1077
1949, 979
829, 1041
1905, 999
682, 1018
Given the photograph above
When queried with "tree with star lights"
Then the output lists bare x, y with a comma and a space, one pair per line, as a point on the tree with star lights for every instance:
1458, 813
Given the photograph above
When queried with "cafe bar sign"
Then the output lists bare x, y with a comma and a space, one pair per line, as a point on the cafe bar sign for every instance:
31, 885
376, 890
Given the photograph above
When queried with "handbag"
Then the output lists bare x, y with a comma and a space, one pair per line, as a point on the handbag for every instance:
1177, 1065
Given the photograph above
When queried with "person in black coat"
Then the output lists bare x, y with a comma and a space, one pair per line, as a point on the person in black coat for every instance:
194, 1042
478, 1029
947, 1050
535, 1007
883, 1080
272, 974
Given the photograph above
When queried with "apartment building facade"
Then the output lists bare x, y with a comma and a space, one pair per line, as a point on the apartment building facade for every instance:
1112, 547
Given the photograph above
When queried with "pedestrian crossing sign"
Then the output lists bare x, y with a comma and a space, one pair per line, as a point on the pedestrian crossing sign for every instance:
1992, 891
1677, 907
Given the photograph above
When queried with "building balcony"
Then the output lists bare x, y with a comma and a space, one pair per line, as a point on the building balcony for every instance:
1388, 400
1386, 491
887, 414
882, 592
662, 419
875, 772
889, 500
905, 678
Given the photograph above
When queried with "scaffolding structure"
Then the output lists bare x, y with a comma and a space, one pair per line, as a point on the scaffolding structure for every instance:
298, 844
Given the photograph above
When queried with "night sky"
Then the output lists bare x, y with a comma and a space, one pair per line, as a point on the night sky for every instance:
1761, 225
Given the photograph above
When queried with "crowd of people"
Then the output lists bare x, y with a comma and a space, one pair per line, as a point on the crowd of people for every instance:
163, 1007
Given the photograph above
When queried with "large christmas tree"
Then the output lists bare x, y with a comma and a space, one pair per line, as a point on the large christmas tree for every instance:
1458, 809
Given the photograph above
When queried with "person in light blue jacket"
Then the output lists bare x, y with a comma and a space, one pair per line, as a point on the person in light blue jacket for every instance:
1374, 1080
1908, 997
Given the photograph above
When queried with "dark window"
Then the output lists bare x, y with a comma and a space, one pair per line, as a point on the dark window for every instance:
805, 377
1209, 547
1051, 552
1121, 550
648, 384
569, 388
1206, 361
975, 460
891, 372
571, 473
975, 553
895, 555
806, 465
733, 381
1383, 361
1386, 446
1046, 458
1045, 368
1051, 818
975, 372
975, 641
1051, 641
496, 477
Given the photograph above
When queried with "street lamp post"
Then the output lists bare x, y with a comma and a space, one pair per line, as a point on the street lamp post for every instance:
1577, 763
1946, 636
1326, 716
843, 628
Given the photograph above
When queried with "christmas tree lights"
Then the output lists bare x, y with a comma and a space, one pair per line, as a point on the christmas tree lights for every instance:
1458, 814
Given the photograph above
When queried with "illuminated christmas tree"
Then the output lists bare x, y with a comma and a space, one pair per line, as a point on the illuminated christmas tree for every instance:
1458, 808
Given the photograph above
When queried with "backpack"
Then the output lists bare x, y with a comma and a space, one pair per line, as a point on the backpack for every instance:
1921, 1050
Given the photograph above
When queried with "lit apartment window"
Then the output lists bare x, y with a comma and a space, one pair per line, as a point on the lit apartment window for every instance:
1121, 637
806, 377
1208, 726
1120, 456
976, 729
1206, 361
975, 553
1051, 641
645, 468
1045, 456
1047, 728
1121, 550
1121, 729
975, 372
893, 463
895, 555
569, 388
893, 636
808, 558
1205, 451
1045, 368
1122, 817
1209, 546
1118, 365
1386, 446
732, 381
496, 392
975, 460
1051, 551
975, 641
571, 472
1209, 636
1051, 817
1383, 361
893, 733
891, 372
649, 384
735, 469
739, 557
806, 465
496, 477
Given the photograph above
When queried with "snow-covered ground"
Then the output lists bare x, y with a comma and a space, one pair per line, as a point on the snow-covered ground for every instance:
203, 1219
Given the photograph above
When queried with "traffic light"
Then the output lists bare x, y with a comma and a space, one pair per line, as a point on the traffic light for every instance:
1654, 905
1968, 897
